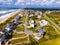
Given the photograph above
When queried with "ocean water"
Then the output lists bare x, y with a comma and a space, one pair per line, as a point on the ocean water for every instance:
6, 11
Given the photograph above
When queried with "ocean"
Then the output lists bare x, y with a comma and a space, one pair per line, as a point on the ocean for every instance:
6, 11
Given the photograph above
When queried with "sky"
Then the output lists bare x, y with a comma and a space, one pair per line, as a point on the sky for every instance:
30, 3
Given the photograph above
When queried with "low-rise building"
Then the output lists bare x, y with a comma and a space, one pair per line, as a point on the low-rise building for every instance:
43, 23
31, 23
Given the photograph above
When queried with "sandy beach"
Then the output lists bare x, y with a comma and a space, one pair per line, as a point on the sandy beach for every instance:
5, 17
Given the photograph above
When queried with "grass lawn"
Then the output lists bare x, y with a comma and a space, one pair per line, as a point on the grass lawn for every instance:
19, 40
20, 28
51, 42
19, 35
51, 33
55, 17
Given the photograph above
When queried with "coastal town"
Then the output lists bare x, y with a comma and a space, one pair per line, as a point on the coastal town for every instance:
28, 27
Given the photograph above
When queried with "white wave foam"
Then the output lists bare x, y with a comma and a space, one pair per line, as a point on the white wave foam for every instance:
3, 12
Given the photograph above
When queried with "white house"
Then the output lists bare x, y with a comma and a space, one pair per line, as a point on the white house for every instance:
37, 36
43, 23
39, 16
31, 23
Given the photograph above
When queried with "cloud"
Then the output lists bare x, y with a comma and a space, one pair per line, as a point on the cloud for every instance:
57, 2
33, 0
19, 1
47, 2
2, 1
41, 2
9, 0
28, 3
5, 1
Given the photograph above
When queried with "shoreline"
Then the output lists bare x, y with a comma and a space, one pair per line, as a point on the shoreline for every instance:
5, 17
